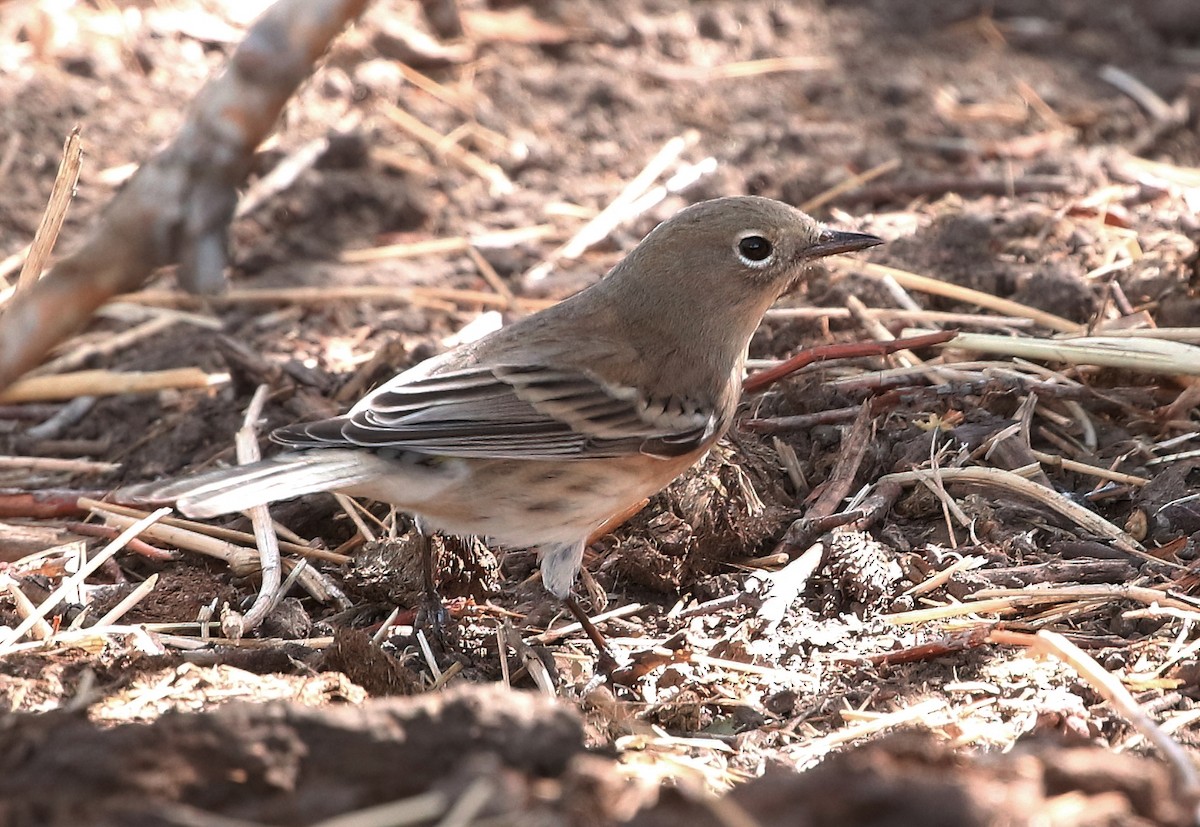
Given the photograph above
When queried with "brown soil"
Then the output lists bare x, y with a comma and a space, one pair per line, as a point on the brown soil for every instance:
1014, 177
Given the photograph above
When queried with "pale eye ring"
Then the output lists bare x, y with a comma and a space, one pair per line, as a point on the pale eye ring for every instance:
754, 250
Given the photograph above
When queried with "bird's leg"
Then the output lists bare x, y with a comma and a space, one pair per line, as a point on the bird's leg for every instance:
560, 565
434, 608
606, 661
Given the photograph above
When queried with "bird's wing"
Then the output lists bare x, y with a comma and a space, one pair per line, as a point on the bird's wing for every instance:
515, 412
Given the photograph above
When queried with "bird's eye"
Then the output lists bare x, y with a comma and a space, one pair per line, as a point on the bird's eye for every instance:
754, 250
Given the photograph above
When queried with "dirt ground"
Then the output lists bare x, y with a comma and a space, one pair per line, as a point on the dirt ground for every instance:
781, 663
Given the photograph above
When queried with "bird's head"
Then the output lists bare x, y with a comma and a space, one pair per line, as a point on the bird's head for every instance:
728, 259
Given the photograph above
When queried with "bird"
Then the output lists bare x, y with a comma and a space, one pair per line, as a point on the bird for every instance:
537, 434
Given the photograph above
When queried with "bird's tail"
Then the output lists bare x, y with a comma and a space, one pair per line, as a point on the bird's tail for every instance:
279, 478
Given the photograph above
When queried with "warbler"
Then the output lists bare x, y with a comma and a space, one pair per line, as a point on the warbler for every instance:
538, 433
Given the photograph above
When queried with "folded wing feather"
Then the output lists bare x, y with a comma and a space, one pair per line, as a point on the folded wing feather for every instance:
514, 412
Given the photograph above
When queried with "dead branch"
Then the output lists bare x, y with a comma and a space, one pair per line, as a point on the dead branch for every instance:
177, 207
850, 457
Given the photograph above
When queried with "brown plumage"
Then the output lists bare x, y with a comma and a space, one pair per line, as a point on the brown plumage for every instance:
538, 433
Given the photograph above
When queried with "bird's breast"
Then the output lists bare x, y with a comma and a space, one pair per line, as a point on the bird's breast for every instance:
529, 503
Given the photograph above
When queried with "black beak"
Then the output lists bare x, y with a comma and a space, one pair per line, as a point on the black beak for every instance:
832, 242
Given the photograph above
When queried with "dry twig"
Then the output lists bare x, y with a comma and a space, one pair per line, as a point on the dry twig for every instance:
130, 600
1147, 355
764, 379
1003, 600
914, 316
56, 212
66, 386
937, 287
1088, 520
228, 534
57, 466
260, 517
435, 297
437, 143
853, 449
